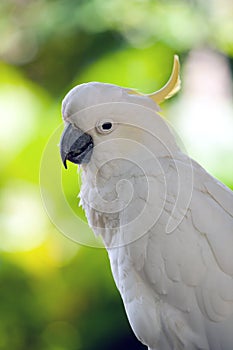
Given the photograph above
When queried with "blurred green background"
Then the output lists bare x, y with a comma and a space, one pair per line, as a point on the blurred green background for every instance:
56, 294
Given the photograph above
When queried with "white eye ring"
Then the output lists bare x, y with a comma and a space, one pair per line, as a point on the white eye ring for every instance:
105, 126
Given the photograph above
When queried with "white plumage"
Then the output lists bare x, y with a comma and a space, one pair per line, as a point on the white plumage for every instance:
166, 223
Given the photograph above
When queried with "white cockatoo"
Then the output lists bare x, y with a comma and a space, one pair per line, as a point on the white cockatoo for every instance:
166, 223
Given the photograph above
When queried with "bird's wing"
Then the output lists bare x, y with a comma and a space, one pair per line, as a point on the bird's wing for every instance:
212, 217
212, 214
193, 265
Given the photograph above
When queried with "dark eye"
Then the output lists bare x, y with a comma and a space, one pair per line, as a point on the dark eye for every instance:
105, 126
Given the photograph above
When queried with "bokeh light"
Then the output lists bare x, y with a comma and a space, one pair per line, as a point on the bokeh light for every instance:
54, 293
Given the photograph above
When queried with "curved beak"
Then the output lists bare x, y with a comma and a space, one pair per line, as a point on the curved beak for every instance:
75, 146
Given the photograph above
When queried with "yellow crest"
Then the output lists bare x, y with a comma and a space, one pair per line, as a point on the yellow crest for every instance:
168, 90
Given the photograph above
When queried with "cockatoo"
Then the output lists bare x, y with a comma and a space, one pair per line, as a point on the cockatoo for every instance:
166, 223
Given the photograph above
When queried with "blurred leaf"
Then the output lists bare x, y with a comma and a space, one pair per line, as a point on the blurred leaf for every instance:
54, 293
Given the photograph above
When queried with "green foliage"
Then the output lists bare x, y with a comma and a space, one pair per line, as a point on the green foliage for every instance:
54, 293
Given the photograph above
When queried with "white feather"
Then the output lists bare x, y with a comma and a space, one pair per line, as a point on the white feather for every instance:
168, 225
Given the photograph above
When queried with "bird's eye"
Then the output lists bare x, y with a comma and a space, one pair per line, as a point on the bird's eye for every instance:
105, 126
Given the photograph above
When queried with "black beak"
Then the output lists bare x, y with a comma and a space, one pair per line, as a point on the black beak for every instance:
75, 146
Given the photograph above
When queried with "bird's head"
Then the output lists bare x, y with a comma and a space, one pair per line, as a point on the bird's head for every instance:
104, 121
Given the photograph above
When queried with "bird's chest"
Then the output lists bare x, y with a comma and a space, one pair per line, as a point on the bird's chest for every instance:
121, 203
115, 204
155, 321
140, 302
